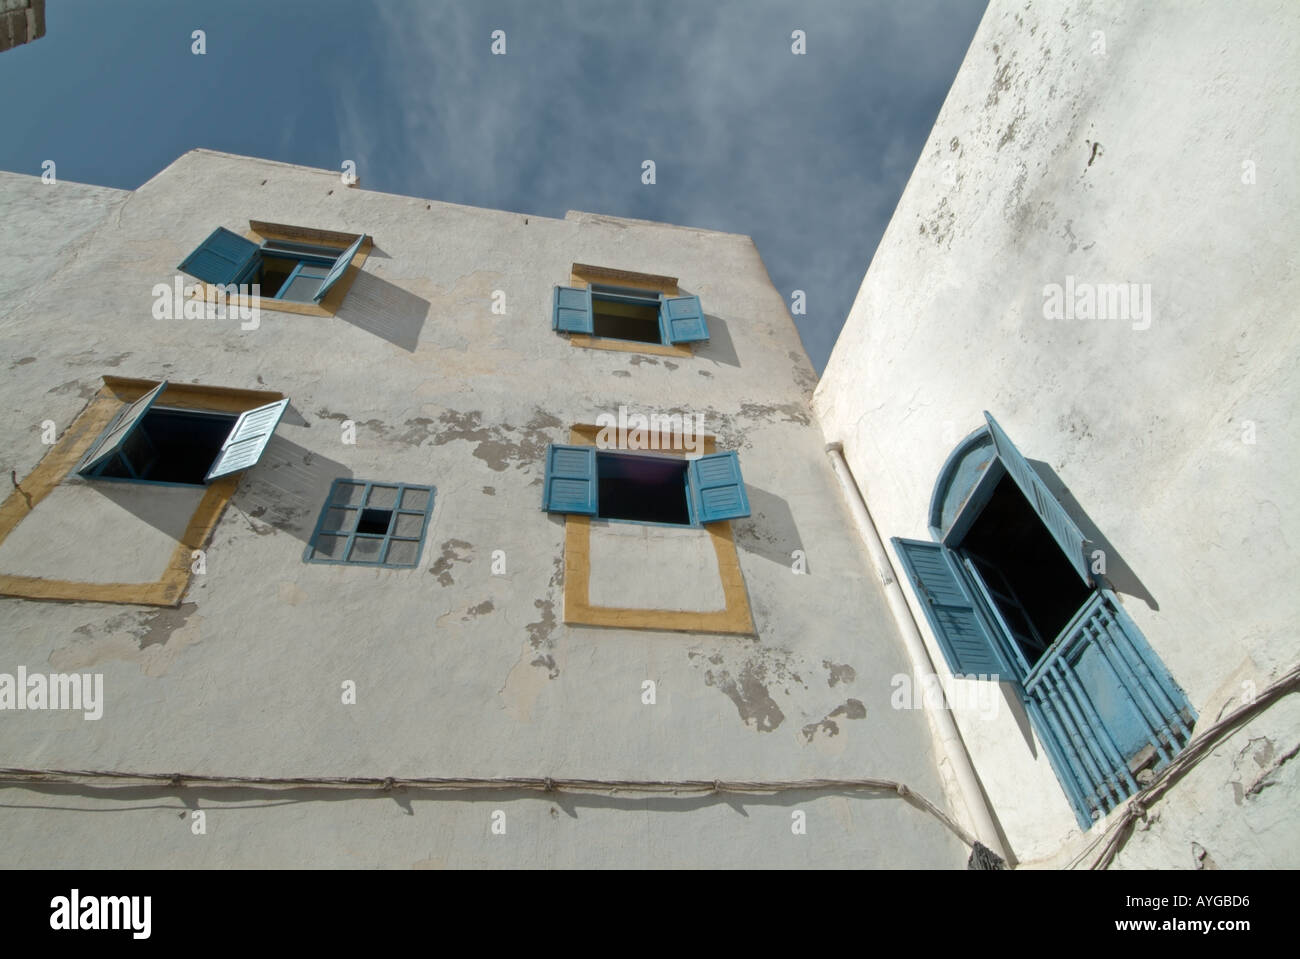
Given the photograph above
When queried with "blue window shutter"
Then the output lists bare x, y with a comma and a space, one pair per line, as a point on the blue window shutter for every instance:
965, 642
570, 480
717, 488
339, 268
571, 310
247, 440
1101, 697
221, 258
682, 319
119, 431
1063, 529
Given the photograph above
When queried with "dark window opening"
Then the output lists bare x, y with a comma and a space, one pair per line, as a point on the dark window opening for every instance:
273, 274
375, 521
625, 321
646, 489
1036, 589
284, 278
172, 446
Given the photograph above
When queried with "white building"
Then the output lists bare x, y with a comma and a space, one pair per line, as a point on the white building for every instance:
351, 579
1098, 248
498, 640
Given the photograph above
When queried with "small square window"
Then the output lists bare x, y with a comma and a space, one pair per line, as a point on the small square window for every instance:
361, 524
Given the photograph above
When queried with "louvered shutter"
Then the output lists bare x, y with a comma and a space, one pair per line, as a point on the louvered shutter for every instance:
570, 480
247, 440
717, 488
966, 644
571, 310
338, 269
682, 319
1063, 529
222, 258
119, 432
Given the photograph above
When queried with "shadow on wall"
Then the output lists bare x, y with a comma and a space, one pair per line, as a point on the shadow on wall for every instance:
386, 310
718, 347
770, 530
167, 509
1011, 699
1118, 573
286, 490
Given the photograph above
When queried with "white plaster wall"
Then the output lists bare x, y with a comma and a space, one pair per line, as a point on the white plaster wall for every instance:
101, 533
678, 568
1144, 427
458, 671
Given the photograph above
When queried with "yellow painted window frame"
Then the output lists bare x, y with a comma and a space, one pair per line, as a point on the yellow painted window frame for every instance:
61, 460
734, 617
583, 274
259, 232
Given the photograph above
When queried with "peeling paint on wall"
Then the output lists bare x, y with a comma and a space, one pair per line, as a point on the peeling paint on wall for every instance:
150, 638
444, 564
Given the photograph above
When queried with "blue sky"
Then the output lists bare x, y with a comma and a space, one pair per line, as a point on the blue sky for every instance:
806, 154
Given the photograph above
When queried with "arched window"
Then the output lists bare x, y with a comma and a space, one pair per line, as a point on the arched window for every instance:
1007, 590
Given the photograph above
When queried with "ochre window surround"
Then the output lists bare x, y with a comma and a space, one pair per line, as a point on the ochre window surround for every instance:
260, 231
733, 618
61, 460
584, 275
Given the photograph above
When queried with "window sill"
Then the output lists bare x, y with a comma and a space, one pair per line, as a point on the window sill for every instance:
630, 346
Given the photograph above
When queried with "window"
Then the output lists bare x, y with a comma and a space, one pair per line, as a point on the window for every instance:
624, 313
642, 496
142, 555
291, 265
150, 443
1008, 593
371, 524
644, 488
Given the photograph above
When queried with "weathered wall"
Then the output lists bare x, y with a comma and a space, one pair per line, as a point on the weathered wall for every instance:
458, 671
1056, 157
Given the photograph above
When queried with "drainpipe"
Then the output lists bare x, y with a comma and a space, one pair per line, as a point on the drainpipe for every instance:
941, 721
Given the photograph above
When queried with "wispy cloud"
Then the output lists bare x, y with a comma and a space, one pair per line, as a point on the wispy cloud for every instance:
807, 154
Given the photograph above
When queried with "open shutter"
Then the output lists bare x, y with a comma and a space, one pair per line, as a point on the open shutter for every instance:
682, 319
118, 433
570, 480
717, 488
339, 268
247, 440
1063, 529
571, 310
221, 258
965, 642
1104, 705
